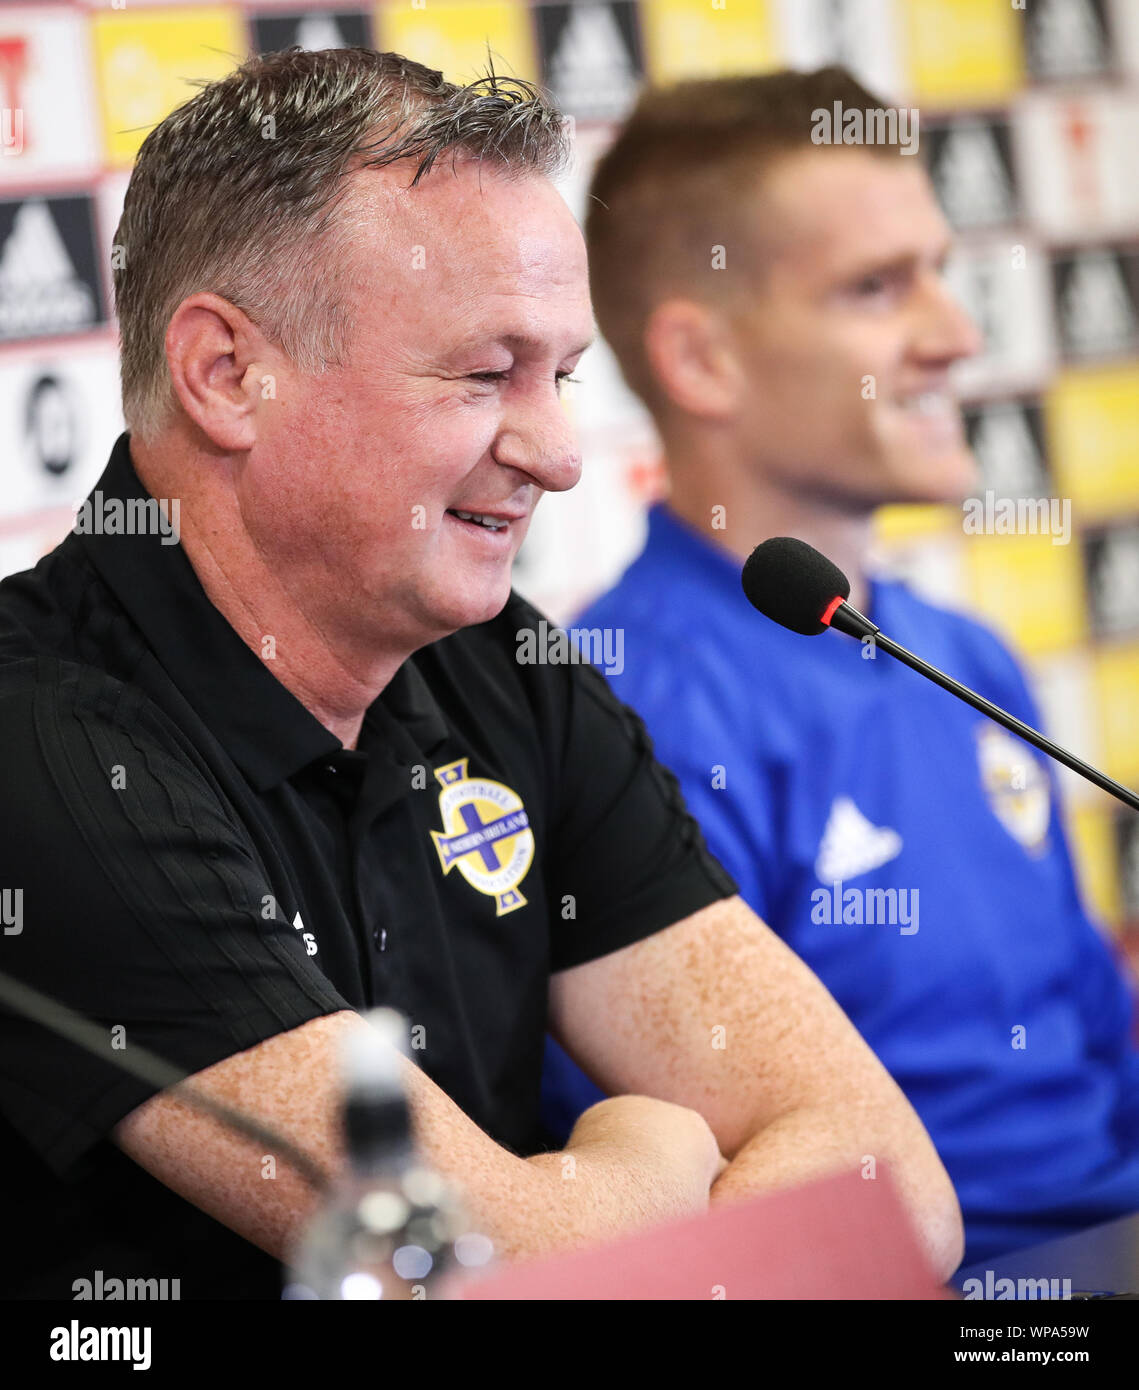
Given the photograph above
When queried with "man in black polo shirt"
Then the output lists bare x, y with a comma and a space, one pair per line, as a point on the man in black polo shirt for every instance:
272, 756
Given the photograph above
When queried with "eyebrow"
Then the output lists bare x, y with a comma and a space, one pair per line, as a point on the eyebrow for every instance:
522, 340
906, 261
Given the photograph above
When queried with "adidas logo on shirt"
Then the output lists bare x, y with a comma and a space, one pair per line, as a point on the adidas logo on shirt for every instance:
852, 845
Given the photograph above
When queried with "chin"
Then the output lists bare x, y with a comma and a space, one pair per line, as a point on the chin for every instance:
940, 480
459, 610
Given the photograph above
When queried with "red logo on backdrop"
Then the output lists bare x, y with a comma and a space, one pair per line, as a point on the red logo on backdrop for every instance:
13, 70
645, 478
1080, 133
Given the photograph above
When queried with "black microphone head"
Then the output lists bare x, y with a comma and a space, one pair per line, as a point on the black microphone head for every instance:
792, 584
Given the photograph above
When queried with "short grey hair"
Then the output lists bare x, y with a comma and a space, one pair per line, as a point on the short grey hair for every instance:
235, 192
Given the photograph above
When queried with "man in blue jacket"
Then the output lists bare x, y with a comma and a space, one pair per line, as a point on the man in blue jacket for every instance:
777, 302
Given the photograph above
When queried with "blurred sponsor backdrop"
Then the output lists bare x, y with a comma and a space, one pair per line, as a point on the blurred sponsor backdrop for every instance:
1029, 125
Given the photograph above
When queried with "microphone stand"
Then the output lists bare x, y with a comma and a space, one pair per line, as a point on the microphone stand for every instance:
846, 618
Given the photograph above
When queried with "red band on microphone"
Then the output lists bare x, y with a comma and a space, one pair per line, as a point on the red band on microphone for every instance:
829, 611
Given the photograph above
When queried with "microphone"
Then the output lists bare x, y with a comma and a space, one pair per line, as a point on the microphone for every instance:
789, 582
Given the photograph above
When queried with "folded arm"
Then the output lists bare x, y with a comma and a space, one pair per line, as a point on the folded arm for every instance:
717, 1014
632, 1161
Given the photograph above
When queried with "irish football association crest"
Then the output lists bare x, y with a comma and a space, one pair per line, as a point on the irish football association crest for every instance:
1016, 787
486, 834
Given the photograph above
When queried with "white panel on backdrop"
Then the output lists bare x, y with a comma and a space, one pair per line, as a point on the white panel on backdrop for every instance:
45, 77
860, 34
929, 564
59, 418
109, 194
1003, 282
589, 144
1064, 690
1077, 153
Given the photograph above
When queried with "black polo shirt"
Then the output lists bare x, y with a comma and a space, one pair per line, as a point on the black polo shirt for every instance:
201, 865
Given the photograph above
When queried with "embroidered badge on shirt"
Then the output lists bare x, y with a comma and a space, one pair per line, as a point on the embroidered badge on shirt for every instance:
486, 834
1015, 785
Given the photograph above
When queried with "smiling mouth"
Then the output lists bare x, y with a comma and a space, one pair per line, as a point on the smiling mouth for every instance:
930, 404
483, 520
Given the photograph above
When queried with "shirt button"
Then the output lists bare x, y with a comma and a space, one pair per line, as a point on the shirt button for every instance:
380, 937
330, 767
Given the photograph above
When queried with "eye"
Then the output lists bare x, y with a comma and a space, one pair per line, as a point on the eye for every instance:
492, 377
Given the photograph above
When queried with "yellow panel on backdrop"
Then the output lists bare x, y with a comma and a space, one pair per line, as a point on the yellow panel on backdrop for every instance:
896, 524
143, 63
1028, 588
962, 52
1117, 688
1092, 835
453, 36
694, 38
1092, 418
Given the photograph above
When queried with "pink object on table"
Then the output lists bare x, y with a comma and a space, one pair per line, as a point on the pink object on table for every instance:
842, 1237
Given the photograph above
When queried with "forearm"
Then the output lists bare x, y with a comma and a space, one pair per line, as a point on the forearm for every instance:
812, 1142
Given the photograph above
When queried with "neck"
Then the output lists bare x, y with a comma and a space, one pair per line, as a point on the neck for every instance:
735, 509
335, 677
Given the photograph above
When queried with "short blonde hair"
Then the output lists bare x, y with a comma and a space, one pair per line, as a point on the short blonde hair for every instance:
683, 176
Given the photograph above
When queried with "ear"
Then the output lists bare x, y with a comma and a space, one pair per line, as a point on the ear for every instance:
690, 350
218, 359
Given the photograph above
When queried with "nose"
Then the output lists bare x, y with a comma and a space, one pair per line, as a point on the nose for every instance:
537, 438
946, 333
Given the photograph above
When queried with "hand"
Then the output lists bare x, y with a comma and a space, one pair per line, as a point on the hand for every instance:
672, 1146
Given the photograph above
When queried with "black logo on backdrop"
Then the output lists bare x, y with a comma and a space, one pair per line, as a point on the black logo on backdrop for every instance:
591, 57
49, 281
312, 29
